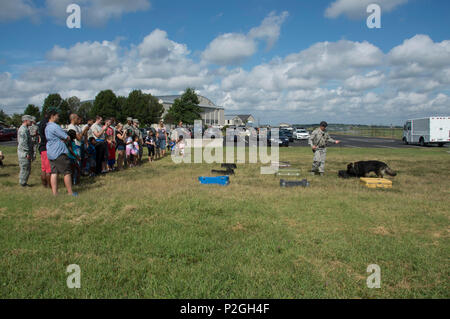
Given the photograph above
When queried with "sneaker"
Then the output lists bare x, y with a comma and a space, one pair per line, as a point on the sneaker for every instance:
26, 185
74, 194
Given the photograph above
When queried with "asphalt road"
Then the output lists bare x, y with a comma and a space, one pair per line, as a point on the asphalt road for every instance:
9, 143
372, 142
361, 141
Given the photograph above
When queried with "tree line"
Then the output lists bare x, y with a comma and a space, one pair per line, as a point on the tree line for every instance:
138, 105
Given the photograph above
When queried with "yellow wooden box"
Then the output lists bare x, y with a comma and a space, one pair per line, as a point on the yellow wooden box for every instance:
376, 182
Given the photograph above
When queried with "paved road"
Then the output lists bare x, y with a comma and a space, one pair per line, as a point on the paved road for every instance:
9, 143
372, 142
361, 141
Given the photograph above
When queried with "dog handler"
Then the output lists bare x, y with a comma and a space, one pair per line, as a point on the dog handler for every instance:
318, 141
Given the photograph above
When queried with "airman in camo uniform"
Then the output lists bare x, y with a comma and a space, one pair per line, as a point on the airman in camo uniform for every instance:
24, 150
318, 141
138, 133
34, 136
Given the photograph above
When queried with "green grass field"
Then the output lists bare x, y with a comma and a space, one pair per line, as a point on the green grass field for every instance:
155, 232
394, 133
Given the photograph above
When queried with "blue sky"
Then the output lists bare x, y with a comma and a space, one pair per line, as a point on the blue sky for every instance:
32, 29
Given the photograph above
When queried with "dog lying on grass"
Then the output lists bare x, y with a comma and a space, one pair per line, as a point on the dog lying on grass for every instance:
364, 168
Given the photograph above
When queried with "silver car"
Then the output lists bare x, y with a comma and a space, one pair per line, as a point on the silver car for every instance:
301, 134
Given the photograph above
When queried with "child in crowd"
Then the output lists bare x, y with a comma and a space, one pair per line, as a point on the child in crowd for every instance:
135, 150
111, 152
180, 146
150, 142
157, 149
91, 153
74, 156
171, 145
130, 151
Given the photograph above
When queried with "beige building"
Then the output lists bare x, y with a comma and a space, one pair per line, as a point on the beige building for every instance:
238, 120
211, 113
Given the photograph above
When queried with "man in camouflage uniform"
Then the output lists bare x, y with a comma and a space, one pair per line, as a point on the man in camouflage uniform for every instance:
24, 150
138, 133
129, 124
34, 136
318, 141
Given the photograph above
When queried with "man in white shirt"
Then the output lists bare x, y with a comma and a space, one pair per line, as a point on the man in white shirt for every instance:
74, 125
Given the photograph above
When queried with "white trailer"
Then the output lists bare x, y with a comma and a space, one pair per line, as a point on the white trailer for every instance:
429, 130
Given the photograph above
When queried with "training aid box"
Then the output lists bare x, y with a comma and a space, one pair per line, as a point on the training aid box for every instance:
376, 182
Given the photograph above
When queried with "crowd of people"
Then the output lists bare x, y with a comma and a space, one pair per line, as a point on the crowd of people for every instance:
96, 147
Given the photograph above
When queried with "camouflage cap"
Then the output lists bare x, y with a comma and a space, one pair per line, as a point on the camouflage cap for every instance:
324, 124
129, 118
135, 120
27, 118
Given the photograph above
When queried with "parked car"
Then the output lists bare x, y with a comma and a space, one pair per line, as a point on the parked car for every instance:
7, 134
301, 134
282, 140
288, 133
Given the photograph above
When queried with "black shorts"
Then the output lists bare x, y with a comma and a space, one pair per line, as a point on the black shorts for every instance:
61, 165
151, 150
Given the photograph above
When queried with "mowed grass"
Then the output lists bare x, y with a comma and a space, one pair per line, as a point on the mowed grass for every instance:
155, 232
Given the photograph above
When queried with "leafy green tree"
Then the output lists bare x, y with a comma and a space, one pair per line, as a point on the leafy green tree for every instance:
143, 107
121, 103
185, 108
105, 104
74, 104
4, 117
55, 100
33, 110
52, 100
84, 111
16, 120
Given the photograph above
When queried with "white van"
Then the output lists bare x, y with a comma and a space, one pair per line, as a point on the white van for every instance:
429, 130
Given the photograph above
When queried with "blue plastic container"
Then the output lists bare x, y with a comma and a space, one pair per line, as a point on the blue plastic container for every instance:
219, 180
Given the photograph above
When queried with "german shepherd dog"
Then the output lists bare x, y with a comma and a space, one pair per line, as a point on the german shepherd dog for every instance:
363, 168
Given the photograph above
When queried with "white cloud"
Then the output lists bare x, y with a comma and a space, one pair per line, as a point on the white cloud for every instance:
356, 9
343, 81
420, 64
269, 29
11, 10
156, 46
234, 48
96, 12
93, 12
361, 83
423, 51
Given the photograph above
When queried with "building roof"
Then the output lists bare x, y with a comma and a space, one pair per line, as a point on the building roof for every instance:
243, 117
204, 102
230, 117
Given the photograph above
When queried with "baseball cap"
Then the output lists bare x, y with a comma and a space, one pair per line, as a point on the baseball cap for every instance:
324, 124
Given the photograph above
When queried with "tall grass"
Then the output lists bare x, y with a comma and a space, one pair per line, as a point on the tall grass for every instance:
155, 232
